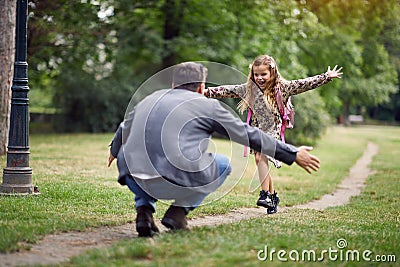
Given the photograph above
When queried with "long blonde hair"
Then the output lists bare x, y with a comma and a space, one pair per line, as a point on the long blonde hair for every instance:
252, 87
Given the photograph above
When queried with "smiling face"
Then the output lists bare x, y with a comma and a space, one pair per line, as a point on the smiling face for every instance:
261, 75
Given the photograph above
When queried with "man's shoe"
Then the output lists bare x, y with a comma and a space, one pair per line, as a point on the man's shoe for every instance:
145, 225
275, 201
265, 199
175, 218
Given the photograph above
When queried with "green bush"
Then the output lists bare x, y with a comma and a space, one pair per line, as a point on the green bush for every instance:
87, 105
311, 119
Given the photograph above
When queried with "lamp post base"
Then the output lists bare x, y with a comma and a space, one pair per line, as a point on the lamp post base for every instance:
18, 181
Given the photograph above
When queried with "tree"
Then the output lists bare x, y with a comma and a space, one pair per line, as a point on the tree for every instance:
7, 51
352, 40
70, 59
93, 64
138, 38
390, 37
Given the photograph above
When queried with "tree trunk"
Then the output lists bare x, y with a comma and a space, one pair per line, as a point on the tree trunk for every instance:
7, 51
173, 11
346, 112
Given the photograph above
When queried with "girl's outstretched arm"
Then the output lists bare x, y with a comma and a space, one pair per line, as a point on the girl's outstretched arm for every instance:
295, 87
226, 91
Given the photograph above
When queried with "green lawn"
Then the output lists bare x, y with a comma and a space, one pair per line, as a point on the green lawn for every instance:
79, 191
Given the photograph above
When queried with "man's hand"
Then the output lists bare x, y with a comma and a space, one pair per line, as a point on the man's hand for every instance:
306, 160
111, 158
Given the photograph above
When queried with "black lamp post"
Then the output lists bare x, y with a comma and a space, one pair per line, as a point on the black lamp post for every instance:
17, 176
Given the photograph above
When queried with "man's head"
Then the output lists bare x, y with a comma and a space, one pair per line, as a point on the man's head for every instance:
189, 75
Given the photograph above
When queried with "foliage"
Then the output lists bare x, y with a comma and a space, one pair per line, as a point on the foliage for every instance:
116, 45
357, 34
89, 106
311, 119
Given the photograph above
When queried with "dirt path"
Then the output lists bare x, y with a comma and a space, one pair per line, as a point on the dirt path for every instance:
350, 186
55, 249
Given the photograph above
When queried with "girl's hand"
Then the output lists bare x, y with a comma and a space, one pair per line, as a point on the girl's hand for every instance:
335, 73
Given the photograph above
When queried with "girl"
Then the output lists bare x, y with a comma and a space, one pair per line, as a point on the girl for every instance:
267, 98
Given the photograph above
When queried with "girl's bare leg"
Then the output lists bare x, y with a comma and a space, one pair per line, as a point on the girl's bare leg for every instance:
264, 173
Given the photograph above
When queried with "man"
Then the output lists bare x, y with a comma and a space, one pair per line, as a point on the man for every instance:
161, 149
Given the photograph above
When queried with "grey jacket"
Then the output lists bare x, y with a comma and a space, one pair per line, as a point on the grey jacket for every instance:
168, 132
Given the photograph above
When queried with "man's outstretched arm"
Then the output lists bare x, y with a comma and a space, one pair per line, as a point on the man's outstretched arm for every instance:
307, 161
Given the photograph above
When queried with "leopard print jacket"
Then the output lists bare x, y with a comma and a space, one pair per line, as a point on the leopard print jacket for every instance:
266, 114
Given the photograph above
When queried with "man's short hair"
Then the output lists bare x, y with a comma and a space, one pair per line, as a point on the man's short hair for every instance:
189, 75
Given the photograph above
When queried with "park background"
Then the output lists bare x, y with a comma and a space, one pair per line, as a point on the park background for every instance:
87, 58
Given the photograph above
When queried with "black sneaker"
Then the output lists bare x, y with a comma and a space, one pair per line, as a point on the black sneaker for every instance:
275, 201
265, 199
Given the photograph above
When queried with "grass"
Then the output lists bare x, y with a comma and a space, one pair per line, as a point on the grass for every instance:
78, 191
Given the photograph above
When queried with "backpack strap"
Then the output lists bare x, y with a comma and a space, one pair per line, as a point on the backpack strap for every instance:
286, 112
249, 113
